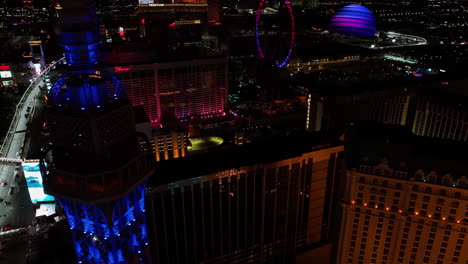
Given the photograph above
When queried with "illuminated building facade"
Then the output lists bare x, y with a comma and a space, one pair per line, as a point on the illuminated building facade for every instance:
425, 116
170, 146
441, 120
177, 91
258, 213
393, 217
95, 167
314, 112
354, 20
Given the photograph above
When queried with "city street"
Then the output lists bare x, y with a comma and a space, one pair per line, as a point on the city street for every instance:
16, 208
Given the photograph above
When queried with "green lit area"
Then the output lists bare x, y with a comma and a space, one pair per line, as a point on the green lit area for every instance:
204, 143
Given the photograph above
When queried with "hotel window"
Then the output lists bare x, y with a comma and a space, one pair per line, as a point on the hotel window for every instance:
428, 247
430, 241
447, 232
359, 195
444, 245
428, 189
443, 192
460, 241
457, 194
361, 187
426, 199
362, 180
395, 202
432, 235
442, 250
397, 194
441, 256
458, 247
414, 196
440, 201
424, 206
404, 241
456, 253
455, 204
461, 236
454, 259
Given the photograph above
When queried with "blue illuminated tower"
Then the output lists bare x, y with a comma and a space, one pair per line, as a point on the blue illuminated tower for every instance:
97, 165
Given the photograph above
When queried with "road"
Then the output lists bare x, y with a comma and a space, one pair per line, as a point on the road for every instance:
20, 212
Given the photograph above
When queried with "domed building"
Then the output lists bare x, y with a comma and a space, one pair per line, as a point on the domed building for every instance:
354, 21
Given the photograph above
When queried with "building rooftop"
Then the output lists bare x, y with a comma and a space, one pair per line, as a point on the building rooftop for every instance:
268, 150
143, 53
368, 142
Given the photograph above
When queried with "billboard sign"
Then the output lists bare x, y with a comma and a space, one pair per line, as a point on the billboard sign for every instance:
5, 74
33, 177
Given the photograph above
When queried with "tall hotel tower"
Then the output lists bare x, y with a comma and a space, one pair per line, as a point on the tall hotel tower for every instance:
95, 166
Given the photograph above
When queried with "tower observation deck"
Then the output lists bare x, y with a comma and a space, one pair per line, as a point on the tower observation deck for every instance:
94, 165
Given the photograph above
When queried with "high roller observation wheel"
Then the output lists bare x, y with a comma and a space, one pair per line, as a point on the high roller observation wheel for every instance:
284, 61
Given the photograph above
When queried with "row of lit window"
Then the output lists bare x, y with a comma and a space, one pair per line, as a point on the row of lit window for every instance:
409, 211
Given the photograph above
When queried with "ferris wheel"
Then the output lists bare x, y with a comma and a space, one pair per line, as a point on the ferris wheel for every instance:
274, 31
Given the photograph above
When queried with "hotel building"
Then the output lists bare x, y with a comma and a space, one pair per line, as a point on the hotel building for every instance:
174, 91
424, 115
252, 205
393, 217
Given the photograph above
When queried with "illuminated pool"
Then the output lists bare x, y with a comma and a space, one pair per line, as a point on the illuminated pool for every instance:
204, 143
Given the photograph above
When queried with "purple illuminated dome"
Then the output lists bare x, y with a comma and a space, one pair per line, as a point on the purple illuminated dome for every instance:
355, 21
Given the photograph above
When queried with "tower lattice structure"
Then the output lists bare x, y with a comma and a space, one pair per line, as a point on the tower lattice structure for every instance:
95, 166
